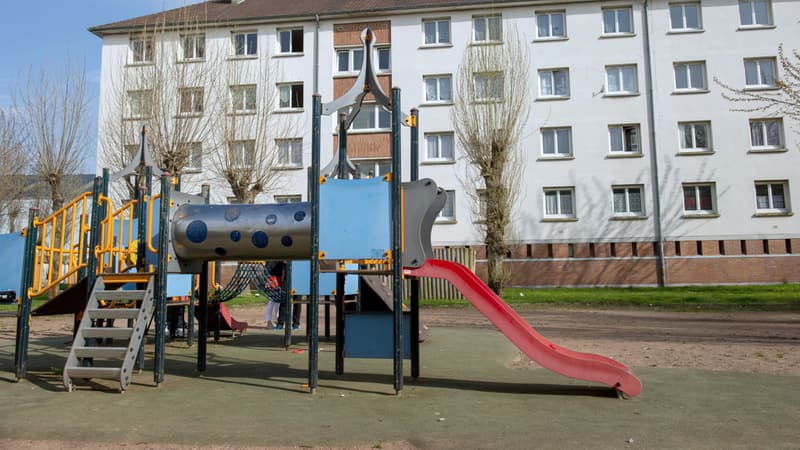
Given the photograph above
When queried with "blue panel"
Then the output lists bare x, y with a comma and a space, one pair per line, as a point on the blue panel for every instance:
12, 252
355, 218
301, 272
371, 335
179, 285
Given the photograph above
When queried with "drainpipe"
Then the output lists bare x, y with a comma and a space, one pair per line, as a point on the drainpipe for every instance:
316, 55
661, 271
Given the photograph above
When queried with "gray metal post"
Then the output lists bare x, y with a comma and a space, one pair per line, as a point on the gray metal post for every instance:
397, 251
161, 279
24, 308
313, 306
148, 192
342, 146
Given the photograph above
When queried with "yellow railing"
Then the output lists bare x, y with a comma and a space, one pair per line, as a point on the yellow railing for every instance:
61, 242
115, 253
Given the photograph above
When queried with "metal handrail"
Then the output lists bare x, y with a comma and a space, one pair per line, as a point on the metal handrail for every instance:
114, 254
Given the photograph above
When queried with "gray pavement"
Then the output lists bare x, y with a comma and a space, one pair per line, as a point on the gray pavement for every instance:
467, 397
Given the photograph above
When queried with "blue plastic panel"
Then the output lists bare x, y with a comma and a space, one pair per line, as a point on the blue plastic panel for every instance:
301, 272
179, 285
371, 335
355, 218
12, 252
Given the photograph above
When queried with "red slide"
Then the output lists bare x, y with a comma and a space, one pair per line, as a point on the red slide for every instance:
581, 366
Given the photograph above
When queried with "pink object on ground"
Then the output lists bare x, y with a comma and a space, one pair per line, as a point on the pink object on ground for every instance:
229, 321
581, 366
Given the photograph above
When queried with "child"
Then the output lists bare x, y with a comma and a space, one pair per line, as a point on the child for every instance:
274, 283
272, 311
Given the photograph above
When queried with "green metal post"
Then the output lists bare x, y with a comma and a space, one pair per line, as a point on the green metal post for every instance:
286, 305
414, 284
205, 191
147, 191
24, 307
313, 306
340, 323
161, 279
342, 147
202, 341
397, 250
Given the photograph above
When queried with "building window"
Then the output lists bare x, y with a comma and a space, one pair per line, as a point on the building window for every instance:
191, 101
559, 203
290, 152
194, 156
140, 104
373, 168
448, 212
436, 31
245, 43
439, 147
755, 13
384, 57
438, 88
766, 134
141, 50
771, 197
290, 96
243, 154
690, 76
554, 83
243, 98
759, 73
486, 29
699, 198
685, 17
292, 198
372, 118
556, 142
488, 86
551, 25
194, 46
290, 41
617, 21
628, 200
621, 80
349, 60
624, 139
695, 136
482, 199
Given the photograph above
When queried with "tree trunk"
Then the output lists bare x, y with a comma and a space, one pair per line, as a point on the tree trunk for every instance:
496, 222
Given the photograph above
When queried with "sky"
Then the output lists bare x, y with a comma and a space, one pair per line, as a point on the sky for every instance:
40, 34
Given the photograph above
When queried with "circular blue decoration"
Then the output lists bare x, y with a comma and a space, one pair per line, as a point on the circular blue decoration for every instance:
260, 239
286, 241
197, 231
236, 236
232, 213
299, 216
220, 251
272, 219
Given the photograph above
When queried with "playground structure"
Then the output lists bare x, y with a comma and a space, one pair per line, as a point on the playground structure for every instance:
115, 263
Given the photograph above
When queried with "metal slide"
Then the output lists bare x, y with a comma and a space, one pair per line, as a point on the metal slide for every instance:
581, 366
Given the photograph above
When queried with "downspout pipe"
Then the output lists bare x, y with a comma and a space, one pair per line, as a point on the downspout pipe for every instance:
316, 54
661, 271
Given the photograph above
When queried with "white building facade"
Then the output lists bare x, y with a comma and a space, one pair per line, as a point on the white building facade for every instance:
636, 170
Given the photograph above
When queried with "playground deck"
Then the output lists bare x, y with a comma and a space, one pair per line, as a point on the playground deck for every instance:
472, 393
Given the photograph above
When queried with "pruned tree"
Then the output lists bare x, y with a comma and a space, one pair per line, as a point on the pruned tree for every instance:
53, 110
13, 180
490, 111
783, 100
253, 140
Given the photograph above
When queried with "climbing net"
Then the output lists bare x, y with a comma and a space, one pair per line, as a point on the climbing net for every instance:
264, 276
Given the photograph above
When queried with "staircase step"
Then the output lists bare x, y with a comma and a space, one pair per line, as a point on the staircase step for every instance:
113, 333
124, 278
119, 295
100, 352
113, 313
109, 373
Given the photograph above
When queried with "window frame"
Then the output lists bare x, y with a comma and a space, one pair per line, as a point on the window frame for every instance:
697, 198
246, 53
626, 188
286, 156
489, 87
439, 158
192, 92
687, 65
754, 16
550, 36
767, 147
145, 97
559, 192
438, 77
487, 19
761, 85
292, 105
623, 152
291, 32
684, 27
771, 209
234, 152
147, 51
378, 68
616, 32
197, 43
552, 72
450, 199
377, 110
195, 156
351, 69
694, 149
245, 88
283, 199
620, 69
437, 42
375, 166
556, 141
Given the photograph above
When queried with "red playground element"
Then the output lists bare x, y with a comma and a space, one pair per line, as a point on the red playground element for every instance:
581, 366
227, 322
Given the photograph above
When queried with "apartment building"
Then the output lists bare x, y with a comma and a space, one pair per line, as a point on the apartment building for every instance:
636, 170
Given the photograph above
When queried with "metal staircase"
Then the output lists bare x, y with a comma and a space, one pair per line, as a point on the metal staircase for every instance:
105, 352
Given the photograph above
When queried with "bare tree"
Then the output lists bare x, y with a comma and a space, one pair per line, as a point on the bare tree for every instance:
254, 141
490, 111
783, 100
13, 180
53, 110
